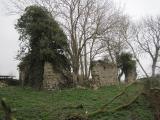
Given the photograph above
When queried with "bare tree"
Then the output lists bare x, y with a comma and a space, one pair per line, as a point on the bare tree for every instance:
129, 32
18, 6
114, 41
81, 22
148, 40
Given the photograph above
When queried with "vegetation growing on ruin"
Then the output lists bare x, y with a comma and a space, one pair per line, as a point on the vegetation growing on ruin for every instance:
126, 64
41, 40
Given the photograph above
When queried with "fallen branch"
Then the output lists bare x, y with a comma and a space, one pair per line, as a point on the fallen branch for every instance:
156, 88
7, 110
102, 109
117, 96
125, 105
115, 109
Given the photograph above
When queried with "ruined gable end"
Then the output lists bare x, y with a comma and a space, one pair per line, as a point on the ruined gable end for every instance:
103, 73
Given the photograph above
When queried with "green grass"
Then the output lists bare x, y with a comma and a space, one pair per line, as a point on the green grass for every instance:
56, 105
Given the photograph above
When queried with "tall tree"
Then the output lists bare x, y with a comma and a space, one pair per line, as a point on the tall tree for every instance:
148, 40
42, 40
113, 40
129, 32
82, 21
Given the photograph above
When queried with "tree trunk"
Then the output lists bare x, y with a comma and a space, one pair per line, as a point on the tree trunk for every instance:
155, 62
82, 67
126, 76
75, 70
120, 75
110, 51
7, 110
85, 62
75, 77
153, 68
75, 55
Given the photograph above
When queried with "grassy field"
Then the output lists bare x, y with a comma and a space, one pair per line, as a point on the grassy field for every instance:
56, 105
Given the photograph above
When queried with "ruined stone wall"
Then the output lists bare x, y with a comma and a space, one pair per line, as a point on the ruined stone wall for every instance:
104, 73
23, 74
22, 77
132, 76
51, 78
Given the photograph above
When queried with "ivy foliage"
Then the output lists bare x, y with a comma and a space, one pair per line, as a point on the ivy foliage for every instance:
126, 64
41, 40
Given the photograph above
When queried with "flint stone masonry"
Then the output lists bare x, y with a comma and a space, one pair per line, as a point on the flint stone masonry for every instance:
51, 78
103, 73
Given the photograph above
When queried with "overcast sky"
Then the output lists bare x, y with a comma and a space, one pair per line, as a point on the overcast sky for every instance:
140, 8
8, 44
9, 37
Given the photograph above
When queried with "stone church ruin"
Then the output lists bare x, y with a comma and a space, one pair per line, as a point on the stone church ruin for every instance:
103, 73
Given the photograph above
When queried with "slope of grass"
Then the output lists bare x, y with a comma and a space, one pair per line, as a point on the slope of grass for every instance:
56, 105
